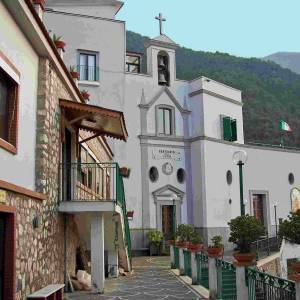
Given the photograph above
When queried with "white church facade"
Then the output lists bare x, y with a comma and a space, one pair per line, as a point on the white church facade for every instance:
182, 134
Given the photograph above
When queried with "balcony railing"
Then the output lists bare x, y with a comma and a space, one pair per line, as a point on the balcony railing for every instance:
88, 73
89, 181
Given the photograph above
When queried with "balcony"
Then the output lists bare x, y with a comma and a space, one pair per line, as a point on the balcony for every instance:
88, 73
90, 187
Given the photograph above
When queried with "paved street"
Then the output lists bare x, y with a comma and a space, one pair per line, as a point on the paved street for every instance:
151, 280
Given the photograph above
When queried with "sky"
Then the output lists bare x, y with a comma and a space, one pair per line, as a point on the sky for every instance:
248, 28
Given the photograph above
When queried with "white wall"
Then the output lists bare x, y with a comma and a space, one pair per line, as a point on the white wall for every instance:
19, 169
266, 170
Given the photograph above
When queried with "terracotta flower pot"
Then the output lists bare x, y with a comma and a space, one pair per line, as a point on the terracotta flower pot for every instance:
182, 244
86, 96
40, 2
295, 277
130, 214
171, 242
60, 44
195, 248
125, 172
74, 74
214, 252
244, 258
296, 267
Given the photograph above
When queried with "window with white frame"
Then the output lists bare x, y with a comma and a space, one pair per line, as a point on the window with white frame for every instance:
87, 67
165, 120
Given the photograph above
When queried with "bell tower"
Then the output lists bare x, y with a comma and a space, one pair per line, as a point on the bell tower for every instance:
161, 61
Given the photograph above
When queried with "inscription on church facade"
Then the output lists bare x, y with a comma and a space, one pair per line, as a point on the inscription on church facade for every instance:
169, 154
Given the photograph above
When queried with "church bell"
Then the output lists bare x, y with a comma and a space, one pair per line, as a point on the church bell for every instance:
161, 62
162, 79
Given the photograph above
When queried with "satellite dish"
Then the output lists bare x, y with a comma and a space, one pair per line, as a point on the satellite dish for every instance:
239, 157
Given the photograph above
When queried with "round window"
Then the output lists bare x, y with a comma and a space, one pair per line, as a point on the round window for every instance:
153, 174
229, 177
181, 175
291, 178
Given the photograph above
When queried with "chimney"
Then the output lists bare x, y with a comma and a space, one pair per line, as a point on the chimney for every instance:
39, 6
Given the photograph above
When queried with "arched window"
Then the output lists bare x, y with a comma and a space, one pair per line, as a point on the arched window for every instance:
163, 68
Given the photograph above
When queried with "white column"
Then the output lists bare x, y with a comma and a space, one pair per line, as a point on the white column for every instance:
172, 256
113, 264
194, 267
213, 278
181, 261
97, 253
241, 287
297, 286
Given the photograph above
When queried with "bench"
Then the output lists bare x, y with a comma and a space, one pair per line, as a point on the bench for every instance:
50, 292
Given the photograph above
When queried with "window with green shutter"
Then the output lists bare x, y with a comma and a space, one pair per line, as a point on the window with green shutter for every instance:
233, 130
227, 129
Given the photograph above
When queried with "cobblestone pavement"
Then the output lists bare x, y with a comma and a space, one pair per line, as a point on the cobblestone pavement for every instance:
151, 280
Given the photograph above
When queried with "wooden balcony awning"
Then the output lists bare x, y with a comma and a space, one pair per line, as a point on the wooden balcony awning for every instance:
97, 120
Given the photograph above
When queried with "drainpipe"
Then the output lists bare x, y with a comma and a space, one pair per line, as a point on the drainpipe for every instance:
65, 254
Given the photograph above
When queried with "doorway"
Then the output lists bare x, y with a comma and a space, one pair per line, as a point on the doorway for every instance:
258, 207
7, 252
167, 220
2, 238
67, 166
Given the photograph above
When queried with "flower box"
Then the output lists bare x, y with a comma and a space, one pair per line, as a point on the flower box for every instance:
244, 259
215, 252
195, 248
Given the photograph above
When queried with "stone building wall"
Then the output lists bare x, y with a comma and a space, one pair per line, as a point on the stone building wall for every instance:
38, 251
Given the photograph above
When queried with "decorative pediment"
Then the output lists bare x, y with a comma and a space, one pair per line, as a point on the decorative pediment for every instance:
167, 91
168, 191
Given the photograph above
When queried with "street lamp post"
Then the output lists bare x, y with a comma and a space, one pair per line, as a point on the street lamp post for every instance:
240, 158
275, 215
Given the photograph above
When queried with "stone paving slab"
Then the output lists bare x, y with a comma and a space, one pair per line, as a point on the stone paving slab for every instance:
152, 279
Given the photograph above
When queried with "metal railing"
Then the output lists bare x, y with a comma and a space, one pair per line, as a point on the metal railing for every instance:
226, 279
176, 257
263, 286
88, 182
264, 247
202, 269
88, 73
187, 263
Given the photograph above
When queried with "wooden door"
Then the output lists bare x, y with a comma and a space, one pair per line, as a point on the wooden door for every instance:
258, 208
167, 220
1, 255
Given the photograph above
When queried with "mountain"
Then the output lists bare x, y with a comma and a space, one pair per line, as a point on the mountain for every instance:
289, 60
270, 92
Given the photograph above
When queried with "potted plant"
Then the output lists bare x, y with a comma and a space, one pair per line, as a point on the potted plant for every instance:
125, 172
216, 248
58, 42
196, 243
183, 234
73, 72
289, 230
155, 238
85, 94
245, 230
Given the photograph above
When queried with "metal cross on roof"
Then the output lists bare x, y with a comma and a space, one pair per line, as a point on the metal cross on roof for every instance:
161, 20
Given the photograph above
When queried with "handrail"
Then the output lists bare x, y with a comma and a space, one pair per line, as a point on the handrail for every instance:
271, 280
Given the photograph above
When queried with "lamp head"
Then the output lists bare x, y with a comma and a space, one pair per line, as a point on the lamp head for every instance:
240, 157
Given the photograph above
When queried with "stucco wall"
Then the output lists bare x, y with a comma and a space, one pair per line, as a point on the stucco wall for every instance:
20, 168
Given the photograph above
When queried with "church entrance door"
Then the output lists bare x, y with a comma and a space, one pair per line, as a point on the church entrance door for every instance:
167, 220
258, 207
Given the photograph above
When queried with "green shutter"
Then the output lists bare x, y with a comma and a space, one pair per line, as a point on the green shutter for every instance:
233, 130
227, 134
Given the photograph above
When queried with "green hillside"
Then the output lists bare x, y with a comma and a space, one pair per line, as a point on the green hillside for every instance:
270, 92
